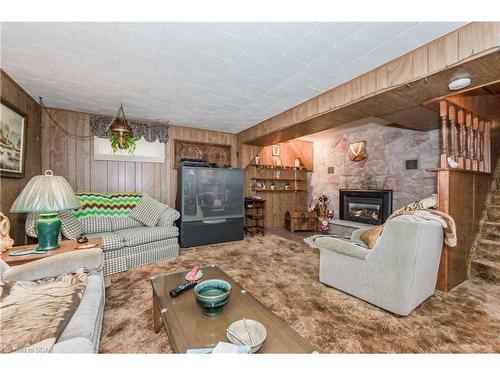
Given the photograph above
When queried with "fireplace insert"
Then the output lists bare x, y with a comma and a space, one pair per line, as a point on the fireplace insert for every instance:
365, 206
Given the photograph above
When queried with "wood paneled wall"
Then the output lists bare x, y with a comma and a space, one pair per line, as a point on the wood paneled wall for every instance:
73, 158
11, 187
461, 194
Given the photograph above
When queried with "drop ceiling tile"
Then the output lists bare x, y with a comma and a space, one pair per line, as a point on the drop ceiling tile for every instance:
336, 32
225, 45
138, 42
326, 83
135, 61
308, 49
377, 33
95, 40
285, 66
354, 68
202, 78
109, 28
88, 57
249, 65
291, 31
155, 29
175, 63
266, 80
244, 30
297, 82
394, 48
202, 30
251, 91
234, 79
185, 45
212, 64
348, 50
268, 47
425, 32
319, 68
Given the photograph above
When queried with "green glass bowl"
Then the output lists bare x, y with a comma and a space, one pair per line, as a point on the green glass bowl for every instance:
212, 295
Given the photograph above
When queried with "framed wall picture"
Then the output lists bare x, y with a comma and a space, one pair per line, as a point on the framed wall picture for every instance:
12, 140
276, 150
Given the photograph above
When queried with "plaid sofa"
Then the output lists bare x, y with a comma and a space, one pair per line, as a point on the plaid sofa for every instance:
126, 242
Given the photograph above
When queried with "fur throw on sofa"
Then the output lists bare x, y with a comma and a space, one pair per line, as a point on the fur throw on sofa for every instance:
35, 313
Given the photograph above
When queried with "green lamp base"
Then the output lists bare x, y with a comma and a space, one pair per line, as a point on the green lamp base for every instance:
47, 229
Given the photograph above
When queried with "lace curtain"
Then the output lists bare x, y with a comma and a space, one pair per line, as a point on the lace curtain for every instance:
149, 132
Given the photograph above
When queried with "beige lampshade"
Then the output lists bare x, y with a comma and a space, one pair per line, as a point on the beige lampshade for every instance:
46, 193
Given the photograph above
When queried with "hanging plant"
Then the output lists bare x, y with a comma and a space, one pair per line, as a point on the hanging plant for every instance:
122, 142
121, 133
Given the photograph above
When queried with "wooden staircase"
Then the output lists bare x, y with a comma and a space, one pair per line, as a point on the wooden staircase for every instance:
485, 259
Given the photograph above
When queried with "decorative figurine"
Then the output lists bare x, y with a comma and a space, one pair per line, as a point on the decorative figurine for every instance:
5, 241
296, 163
325, 226
323, 202
331, 215
257, 160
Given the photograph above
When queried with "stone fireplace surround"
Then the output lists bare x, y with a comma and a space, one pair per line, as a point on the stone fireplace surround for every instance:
383, 169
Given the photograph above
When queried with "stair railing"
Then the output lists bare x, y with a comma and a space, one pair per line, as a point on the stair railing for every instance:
465, 139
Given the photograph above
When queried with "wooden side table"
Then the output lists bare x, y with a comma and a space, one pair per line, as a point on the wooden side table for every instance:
65, 246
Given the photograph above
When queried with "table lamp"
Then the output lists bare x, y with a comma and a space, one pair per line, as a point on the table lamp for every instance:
46, 195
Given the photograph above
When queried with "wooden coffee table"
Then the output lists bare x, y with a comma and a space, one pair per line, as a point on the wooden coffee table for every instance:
188, 328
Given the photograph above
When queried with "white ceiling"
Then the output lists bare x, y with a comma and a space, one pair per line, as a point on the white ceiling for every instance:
221, 76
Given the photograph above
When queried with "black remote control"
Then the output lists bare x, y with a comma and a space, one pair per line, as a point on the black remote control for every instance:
82, 239
182, 288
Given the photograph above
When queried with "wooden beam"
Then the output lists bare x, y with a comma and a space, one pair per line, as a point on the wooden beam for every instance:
397, 85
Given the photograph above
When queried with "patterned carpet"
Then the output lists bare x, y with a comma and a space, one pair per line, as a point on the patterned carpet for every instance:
465, 320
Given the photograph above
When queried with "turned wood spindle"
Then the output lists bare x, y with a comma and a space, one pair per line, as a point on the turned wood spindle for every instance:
461, 138
443, 113
453, 131
487, 146
481, 145
475, 143
468, 142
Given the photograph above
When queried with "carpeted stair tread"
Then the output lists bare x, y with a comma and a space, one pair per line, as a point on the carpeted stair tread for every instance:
486, 270
493, 212
488, 249
491, 230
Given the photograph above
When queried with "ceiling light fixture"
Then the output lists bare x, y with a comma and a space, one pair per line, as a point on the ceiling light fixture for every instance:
459, 83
